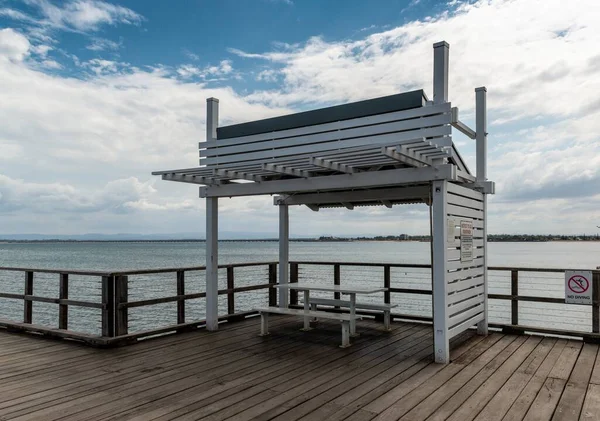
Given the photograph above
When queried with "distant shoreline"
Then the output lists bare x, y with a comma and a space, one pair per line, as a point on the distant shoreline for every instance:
297, 240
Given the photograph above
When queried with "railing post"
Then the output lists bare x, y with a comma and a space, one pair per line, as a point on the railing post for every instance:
386, 284
63, 294
596, 302
514, 300
293, 278
180, 300
121, 313
108, 312
230, 287
27, 304
272, 281
336, 281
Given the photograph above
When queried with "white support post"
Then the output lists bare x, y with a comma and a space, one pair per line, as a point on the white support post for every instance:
284, 253
441, 53
441, 340
212, 230
212, 263
481, 153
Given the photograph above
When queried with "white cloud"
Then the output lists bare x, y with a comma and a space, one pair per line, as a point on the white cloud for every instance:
119, 121
85, 15
102, 44
13, 45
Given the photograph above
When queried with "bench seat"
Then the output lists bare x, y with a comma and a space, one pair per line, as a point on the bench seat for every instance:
386, 308
307, 315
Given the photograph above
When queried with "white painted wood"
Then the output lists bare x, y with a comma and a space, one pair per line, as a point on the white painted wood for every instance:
481, 157
454, 254
441, 56
207, 181
284, 253
453, 265
464, 274
464, 191
301, 313
324, 163
481, 130
212, 118
315, 148
472, 301
392, 153
353, 314
333, 126
238, 175
280, 169
345, 335
459, 125
396, 193
463, 295
264, 324
465, 176
466, 212
333, 182
465, 202
440, 309
333, 288
346, 303
354, 132
465, 315
482, 326
464, 284
212, 263
458, 329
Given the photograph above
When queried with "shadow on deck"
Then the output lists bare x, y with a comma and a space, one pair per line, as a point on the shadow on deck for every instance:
292, 375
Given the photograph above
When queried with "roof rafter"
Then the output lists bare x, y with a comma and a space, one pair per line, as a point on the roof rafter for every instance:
326, 163
280, 169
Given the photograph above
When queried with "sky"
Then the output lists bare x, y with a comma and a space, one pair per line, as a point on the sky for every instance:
96, 95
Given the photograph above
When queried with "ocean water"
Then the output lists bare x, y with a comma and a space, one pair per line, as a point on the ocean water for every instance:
132, 256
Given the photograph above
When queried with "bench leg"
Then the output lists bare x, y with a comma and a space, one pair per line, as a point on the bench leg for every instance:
306, 309
386, 320
313, 307
345, 334
264, 324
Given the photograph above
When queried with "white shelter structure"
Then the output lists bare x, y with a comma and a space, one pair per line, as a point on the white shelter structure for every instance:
386, 151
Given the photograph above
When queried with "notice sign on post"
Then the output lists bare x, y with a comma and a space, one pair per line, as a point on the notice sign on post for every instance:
466, 241
578, 287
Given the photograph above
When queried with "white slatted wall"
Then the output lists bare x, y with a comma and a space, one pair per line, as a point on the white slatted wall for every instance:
466, 280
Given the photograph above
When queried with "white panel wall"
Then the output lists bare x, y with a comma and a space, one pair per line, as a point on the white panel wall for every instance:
465, 280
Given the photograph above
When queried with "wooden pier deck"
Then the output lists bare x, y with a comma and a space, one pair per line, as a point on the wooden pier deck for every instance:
292, 375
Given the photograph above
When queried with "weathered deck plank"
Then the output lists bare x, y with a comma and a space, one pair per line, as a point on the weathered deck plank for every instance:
291, 375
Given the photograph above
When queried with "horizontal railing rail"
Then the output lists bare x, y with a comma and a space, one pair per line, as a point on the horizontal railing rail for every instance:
117, 297
114, 303
514, 297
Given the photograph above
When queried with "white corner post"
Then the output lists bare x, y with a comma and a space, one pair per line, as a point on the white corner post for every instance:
212, 230
481, 176
284, 253
441, 57
441, 340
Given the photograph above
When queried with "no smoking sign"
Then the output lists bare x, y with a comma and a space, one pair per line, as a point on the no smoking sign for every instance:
578, 287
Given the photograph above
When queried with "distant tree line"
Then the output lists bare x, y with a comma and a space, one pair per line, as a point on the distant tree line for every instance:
491, 238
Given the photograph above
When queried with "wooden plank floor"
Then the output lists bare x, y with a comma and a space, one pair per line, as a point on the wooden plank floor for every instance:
291, 375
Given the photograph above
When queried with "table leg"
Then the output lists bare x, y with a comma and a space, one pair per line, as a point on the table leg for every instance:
353, 315
306, 309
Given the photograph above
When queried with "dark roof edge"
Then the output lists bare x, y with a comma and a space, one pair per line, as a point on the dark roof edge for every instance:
382, 105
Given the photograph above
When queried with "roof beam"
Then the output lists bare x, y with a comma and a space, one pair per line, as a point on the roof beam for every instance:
280, 169
459, 125
348, 206
193, 179
355, 196
392, 153
387, 203
368, 179
238, 175
326, 163
314, 208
